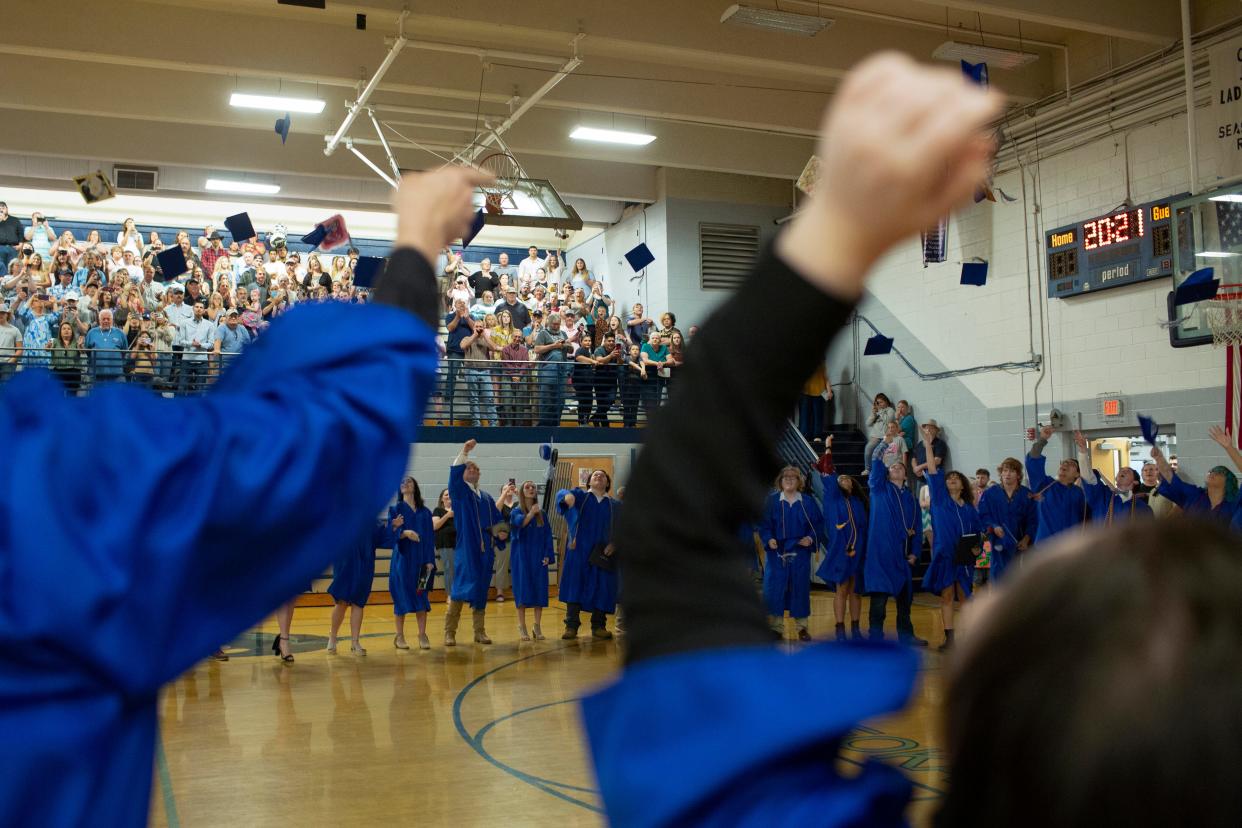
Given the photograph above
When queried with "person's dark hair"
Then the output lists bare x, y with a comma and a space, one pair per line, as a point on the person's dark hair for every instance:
968, 491
883, 396
418, 493
440, 499
983, 472
1123, 654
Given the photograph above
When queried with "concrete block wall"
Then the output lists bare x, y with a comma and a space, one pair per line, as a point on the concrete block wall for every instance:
1107, 342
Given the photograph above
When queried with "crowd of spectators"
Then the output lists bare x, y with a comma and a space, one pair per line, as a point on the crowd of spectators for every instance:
100, 310
521, 340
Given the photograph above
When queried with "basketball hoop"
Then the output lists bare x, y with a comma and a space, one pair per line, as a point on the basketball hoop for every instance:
1224, 315
505, 170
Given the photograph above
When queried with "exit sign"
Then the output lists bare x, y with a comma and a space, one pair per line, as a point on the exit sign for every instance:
1111, 406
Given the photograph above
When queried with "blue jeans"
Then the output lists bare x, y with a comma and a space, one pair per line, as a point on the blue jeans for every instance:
551, 392
193, 376
452, 367
482, 396
7, 254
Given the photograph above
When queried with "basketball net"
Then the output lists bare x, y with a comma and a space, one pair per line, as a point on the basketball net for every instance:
1224, 317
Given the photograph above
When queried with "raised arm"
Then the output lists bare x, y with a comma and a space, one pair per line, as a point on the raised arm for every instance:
1036, 462
1162, 464
1225, 440
180, 559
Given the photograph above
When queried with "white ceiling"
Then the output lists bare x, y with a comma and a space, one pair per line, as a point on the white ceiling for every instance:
148, 82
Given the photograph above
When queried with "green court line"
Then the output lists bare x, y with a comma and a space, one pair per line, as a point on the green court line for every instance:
161, 768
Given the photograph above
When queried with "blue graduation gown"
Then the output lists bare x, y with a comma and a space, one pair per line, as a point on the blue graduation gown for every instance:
1015, 515
774, 764
353, 571
191, 524
1059, 507
1194, 500
410, 559
949, 522
1108, 507
845, 525
581, 583
474, 556
1236, 524
894, 514
531, 546
787, 578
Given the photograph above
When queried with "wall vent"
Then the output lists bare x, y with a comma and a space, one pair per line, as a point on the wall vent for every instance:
135, 178
726, 254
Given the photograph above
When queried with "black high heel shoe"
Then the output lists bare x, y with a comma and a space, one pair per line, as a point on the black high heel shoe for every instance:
276, 648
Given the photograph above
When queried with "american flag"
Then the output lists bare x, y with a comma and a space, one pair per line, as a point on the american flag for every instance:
1229, 224
1233, 392
936, 242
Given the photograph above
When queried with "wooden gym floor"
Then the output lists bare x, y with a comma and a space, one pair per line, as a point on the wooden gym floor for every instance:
471, 735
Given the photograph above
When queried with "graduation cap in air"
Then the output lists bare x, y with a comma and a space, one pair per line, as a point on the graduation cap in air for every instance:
975, 273
329, 233
1149, 427
640, 257
241, 228
172, 262
282, 127
878, 345
1198, 286
476, 225
975, 72
366, 269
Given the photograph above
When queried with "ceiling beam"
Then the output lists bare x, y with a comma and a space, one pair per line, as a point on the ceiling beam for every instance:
1156, 22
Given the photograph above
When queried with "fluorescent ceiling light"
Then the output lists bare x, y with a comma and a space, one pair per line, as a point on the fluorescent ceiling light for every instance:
1234, 197
611, 136
1215, 254
805, 25
276, 103
994, 57
223, 185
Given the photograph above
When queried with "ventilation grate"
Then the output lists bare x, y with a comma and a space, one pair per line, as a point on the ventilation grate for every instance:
726, 254
135, 178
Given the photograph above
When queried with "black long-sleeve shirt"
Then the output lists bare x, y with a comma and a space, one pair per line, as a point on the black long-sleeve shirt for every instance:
709, 460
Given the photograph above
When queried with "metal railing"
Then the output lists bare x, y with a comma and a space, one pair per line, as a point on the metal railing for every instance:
548, 394
466, 392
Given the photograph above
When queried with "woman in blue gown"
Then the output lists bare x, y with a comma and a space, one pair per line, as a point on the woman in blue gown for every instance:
531, 554
412, 570
352, 575
954, 518
1217, 498
845, 525
791, 529
585, 585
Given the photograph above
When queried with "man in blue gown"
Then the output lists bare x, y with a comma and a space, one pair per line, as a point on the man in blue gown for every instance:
1110, 504
474, 515
1060, 502
165, 554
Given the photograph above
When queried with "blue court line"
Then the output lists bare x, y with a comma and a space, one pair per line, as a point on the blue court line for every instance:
476, 742
170, 802
483, 731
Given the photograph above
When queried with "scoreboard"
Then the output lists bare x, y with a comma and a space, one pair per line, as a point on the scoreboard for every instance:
1121, 248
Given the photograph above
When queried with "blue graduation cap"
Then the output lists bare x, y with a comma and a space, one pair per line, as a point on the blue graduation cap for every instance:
976, 72
314, 237
476, 224
1149, 427
974, 273
640, 257
878, 345
282, 127
241, 227
172, 262
1198, 286
328, 234
366, 269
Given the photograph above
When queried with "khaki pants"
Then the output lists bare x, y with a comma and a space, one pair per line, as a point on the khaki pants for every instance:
777, 623
453, 616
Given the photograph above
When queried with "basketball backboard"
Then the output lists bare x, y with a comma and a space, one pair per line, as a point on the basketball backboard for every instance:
1207, 232
533, 202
